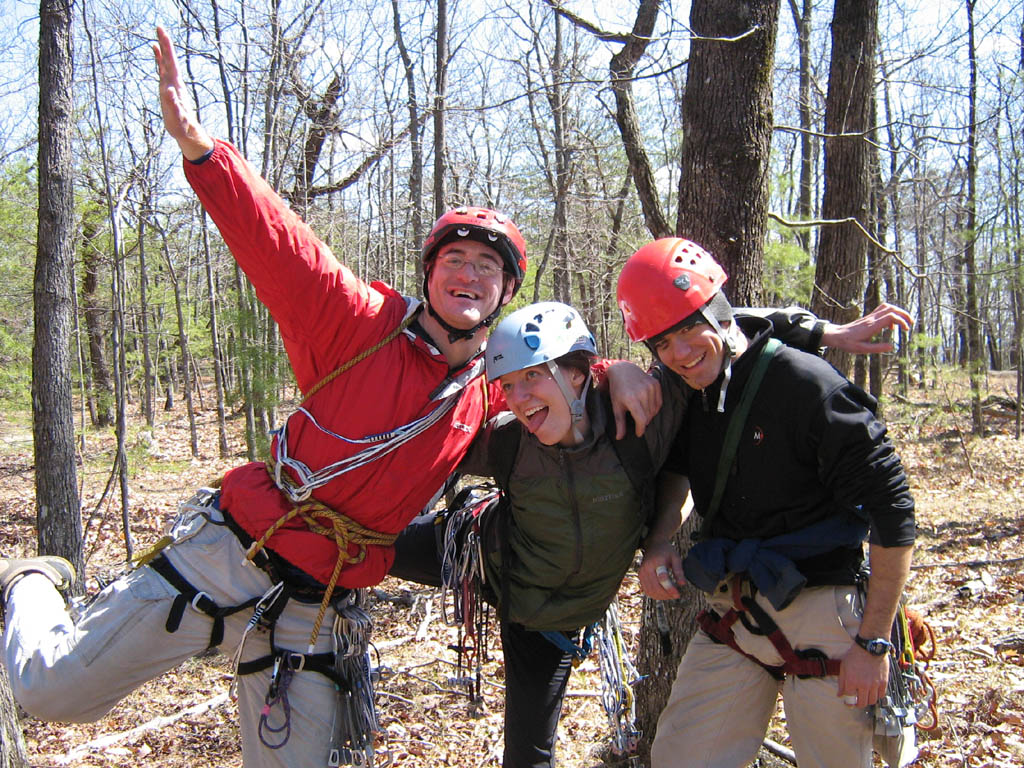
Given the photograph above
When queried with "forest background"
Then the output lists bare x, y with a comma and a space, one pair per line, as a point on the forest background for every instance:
830, 154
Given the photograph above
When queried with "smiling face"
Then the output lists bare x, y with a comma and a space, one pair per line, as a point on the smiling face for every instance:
537, 401
696, 353
467, 282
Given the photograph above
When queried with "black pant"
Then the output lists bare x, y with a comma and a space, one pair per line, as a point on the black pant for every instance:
536, 670
416, 552
536, 674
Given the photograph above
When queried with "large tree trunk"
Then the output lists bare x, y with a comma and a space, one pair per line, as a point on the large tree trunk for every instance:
723, 200
842, 248
53, 429
727, 131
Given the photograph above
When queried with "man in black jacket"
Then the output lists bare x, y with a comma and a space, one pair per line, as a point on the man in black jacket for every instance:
791, 472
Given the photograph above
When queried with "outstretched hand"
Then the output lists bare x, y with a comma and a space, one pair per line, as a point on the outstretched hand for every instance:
180, 119
856, 336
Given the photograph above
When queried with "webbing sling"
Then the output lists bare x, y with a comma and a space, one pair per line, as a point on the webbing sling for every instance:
737, 421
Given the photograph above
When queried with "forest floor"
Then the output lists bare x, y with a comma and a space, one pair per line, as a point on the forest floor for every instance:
968, 582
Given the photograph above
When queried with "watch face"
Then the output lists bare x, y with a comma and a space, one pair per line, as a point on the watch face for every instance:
876, 646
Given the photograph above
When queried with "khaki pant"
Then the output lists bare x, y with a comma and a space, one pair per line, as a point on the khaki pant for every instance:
721, 702
63, 671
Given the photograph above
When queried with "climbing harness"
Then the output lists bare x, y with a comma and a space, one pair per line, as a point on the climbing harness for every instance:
809, 662
618, 676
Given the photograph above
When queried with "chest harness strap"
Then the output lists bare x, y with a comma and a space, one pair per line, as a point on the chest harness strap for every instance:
809, 662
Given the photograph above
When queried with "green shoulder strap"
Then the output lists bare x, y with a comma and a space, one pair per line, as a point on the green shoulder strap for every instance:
732, 433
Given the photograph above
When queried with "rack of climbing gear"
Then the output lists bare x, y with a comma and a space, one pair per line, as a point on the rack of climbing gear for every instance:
356, 726
909, 700
462, 581
618, 676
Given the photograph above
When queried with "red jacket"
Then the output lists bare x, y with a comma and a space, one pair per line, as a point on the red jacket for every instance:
327, 316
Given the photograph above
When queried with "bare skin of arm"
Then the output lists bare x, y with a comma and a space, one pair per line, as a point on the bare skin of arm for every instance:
662, 569
180, 118
861, 674
856, 336
632, 389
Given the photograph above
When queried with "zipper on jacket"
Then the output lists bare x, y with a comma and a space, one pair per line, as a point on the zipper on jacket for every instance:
570, 481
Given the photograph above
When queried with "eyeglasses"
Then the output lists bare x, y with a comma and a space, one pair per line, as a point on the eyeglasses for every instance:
482, 267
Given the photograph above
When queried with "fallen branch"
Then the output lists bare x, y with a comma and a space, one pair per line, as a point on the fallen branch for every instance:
779, 751
967, 563
73, 757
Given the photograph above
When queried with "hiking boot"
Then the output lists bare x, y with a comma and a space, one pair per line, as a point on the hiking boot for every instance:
56, 569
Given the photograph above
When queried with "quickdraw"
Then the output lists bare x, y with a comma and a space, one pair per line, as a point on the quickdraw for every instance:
462, 572
618, 676
910, 697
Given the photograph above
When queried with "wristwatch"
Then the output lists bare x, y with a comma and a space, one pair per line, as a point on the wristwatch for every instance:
876, 646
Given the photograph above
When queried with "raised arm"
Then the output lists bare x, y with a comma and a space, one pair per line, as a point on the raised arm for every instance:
180, 119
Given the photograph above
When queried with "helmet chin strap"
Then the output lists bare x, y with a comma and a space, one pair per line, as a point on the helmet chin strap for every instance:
728, 337
462, 334
577, 405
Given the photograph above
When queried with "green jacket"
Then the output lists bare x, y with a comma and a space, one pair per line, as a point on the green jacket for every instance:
576, 518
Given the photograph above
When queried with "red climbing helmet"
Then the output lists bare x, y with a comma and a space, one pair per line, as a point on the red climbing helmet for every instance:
485, 226
665, 282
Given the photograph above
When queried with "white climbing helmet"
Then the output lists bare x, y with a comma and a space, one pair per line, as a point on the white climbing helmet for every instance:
539, 334
536, 334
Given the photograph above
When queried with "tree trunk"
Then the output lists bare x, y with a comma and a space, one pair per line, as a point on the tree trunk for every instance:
802, 23
96, 322
622, 67
12, 741
723, 200
416, 146
727, 131
441, 74
975, 350
53, 430
557, 100
842, 248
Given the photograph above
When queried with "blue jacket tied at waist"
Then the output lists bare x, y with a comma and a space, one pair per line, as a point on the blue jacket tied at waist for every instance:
770, 562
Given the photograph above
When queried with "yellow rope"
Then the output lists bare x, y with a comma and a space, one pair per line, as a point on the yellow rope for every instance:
361, 356
341, 528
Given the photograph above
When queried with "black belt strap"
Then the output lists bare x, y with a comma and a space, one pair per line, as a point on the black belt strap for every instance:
189, 595
313, 662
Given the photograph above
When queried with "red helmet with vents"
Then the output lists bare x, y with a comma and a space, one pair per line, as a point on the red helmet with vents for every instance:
665, 282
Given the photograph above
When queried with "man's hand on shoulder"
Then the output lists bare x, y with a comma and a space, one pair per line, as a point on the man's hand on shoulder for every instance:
632, 389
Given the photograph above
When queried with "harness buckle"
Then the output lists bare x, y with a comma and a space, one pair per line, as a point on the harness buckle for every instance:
195, 601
